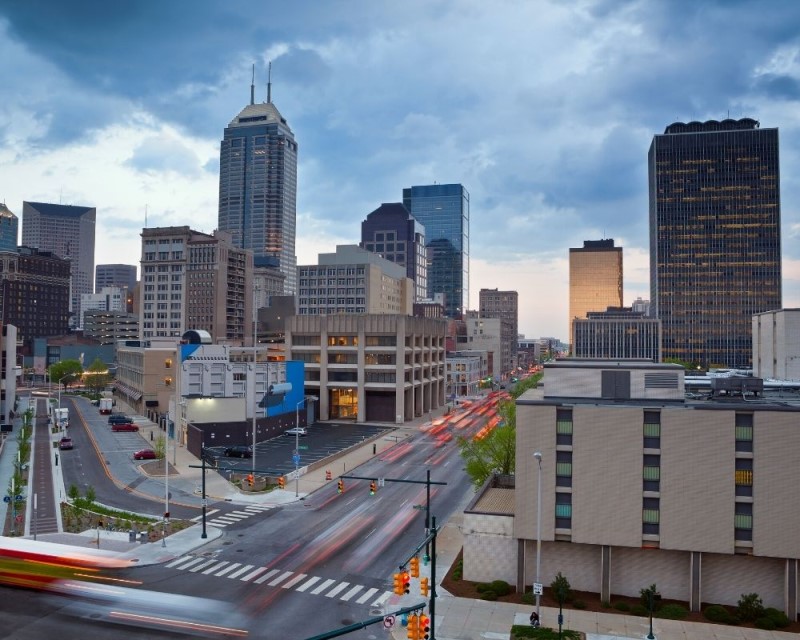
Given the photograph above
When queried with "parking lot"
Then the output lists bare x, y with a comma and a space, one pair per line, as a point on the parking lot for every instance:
275, 456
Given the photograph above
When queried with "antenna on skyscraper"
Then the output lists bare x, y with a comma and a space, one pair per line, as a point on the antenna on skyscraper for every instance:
145, 216
269, 82
253, 86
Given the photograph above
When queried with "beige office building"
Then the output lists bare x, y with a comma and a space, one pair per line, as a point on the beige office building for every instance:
595, 279
640, 486
370, 367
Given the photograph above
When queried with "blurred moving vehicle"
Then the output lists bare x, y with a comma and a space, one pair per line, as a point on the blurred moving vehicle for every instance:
106, 405
65, 443
145, 454
239, 451
34, 564
118, 417
152, 609
124, 426
300, 431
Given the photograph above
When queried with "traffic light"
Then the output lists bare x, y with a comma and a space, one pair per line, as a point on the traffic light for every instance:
406, 583
372, 488
281, 482
415, 567
250, 479
341, 485
423, 627
413, 627
166, 515
398, 584
423, 586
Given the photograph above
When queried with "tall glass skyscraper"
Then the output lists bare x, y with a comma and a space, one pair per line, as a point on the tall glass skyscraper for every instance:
443, 209
258, 187
715, 241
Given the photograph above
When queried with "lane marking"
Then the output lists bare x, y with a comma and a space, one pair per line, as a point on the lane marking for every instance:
227, 569
266, 576
249, 576
351, 593
322, 587
188, 559
295, 580
239, 572
202, 565
215, 567
367, 596
311, 581
337, 589
280, 578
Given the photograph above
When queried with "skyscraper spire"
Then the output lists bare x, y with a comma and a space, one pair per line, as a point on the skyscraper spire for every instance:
253, 86
269, 82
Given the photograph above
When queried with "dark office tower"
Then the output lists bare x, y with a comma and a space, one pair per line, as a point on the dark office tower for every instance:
443, 209
114, 275
503, 305
715, 241
394, 234
68, 232
258, 187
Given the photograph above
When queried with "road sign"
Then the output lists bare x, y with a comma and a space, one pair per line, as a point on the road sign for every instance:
296, 459
17, 498
388, 622
537, 589
303, 447
6, 499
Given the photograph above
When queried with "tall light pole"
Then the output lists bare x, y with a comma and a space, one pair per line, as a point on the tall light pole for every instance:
538, 456
297, 449
255, 363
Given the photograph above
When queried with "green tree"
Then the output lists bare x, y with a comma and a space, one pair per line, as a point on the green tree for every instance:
493, 453
561, 589
90, 495
65, 372
160, 447
97, 377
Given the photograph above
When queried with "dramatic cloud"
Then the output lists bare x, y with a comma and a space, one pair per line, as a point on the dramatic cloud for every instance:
544, 110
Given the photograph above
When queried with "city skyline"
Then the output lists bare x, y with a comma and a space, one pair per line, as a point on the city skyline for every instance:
543, 111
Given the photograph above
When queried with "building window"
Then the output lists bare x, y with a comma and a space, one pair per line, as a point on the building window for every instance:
743, 521
563, 468
563, 510
564, 426
652, 430
744, 432
651, 473
744, 477
651, 515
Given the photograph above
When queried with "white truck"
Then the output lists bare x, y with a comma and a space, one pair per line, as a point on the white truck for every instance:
106, 405
61, 417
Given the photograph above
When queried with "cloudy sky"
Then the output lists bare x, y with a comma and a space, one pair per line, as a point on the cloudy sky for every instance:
543, 110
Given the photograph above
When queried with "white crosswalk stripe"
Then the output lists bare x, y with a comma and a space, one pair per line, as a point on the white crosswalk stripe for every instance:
239, 572
322, 587
232, 517
366, 596
208, 513
337, 589
258, 507
266, 576
280, 578
189, 560
314, 585
253, 574
202, 565
295, 580
351, 593
308, 583
241, 514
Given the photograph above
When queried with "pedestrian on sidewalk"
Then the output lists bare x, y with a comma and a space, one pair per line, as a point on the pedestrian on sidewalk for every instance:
534, 620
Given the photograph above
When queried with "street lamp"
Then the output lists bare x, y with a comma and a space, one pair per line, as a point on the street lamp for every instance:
538, 456
652, 595
297, 449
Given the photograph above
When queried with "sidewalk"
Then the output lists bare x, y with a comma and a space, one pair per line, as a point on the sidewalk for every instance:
456, 618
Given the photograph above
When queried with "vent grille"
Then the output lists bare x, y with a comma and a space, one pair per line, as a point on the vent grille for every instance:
660, 381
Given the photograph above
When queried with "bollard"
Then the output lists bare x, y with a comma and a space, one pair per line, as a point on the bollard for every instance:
56, 459
151, 436
374, 448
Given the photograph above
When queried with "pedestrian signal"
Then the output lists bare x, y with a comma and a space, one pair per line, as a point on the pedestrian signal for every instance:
281, 482
341, 485
372, 488
423, 586
415, 567
250, 479
398, 584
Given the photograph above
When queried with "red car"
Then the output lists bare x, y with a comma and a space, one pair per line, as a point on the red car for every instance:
124, 426
144, 454
65, 443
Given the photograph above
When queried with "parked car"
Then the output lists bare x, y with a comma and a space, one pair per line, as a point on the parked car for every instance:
300, 431
239, 451
124, 426
144, 454
65, 443
118, 417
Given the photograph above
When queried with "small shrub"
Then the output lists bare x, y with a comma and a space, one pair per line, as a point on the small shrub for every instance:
605, 604
645, 600
780, 619
500, 587
483, 587
639, 610
622, 606
560, 586
458, 571
488, 594
768, 624
579, 604
718, 613
673, 612
750, 607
